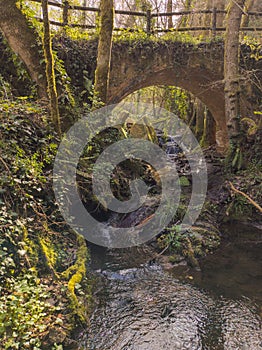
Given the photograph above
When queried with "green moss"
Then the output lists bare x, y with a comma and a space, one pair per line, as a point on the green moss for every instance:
183, 181
191, 244
31, 248
49, 252
75, 274
189, 253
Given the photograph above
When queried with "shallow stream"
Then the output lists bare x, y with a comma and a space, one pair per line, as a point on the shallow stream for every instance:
140, 306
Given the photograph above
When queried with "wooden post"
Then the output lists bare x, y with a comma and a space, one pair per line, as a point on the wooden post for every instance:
214, 21
148, 22
65, 12
84, 16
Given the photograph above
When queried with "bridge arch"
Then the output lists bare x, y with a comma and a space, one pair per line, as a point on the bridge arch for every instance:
197, 115
140, 63
197, 70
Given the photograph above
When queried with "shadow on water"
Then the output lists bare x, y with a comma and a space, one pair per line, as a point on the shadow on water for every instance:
235, 270
141, 307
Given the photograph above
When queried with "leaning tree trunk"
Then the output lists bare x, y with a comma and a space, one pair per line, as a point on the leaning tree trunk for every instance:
245, 19
232, 76
104, 49
23, 39
50, 72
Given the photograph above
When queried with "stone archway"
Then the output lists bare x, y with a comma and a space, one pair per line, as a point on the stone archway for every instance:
197, 70
140, 63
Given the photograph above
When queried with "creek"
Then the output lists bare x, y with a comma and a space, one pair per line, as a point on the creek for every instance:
141, 306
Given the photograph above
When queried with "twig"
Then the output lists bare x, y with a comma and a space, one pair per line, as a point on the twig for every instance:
6, 166
163, 251
246, 196
242, 9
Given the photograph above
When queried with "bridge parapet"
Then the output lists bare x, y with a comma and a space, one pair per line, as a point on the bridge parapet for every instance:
84, 17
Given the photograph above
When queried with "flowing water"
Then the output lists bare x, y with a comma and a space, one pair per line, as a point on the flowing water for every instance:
139, 306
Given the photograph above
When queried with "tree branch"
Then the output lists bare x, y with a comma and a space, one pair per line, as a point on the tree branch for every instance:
246, 196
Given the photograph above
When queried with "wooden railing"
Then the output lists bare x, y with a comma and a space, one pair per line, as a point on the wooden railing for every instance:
149, 19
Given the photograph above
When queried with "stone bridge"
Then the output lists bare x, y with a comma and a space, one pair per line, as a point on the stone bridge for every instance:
195, 68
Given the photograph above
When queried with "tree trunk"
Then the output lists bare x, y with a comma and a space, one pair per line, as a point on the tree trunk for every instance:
220, 5
209, 130
50, 73
231, 67
23, 40
203, 20
185, 20
199, 110
245, 19
232, 75
169, 8
104, 49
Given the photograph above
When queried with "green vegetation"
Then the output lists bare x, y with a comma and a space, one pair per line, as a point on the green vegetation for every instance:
25, 312
41, 287
200, 240
45, 284
248, 181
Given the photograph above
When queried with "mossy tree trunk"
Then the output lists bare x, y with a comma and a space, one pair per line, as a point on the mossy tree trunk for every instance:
50, 72
24, 41
232, 76
104, 49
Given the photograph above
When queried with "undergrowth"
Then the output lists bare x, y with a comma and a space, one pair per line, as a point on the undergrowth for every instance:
40, 303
